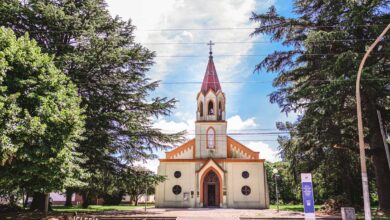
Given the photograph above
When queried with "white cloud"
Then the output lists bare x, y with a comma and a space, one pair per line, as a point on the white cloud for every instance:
266, 152
201, 14
235, 123
149, 164
187, 123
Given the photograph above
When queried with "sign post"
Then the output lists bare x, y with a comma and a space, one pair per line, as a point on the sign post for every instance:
307, 196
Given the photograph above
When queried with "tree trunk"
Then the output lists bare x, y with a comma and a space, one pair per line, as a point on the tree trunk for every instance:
68, 194
132, 200
25, 202
12, 200
382, 174
38, 202
379, 160
86, 199
136, 200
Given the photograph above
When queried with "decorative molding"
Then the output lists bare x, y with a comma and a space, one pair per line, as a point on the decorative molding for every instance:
220, 183
184, 147
209, 161
233, 144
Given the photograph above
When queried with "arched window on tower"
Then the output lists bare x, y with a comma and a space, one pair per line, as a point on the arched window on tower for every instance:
219, 110
201, 109
211, 138
210, 108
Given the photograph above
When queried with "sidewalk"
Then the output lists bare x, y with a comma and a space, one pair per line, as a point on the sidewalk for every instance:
227, 214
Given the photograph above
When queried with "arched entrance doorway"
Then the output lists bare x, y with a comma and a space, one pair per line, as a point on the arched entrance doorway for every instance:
211, 190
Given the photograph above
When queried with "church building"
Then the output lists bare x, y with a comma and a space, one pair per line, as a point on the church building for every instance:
212, 169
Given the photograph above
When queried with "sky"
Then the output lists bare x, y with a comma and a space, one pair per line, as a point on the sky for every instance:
177, 28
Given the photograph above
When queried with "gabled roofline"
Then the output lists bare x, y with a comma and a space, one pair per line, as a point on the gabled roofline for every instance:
242, 147
211, 90
181, 148
209, 161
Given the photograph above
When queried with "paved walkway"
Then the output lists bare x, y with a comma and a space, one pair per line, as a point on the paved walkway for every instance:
224, 214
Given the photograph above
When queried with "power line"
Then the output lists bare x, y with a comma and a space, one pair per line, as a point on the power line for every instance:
240, 134
252, 55
252, 28
242, 42
211, 29
260, 82
75, 43
242, 140
241, 82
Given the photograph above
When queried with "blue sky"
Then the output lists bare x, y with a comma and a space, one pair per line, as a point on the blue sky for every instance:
248, 105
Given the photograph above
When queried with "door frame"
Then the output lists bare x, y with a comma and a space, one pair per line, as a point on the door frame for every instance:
204, 188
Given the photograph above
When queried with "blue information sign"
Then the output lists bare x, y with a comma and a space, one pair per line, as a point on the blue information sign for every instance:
307, 195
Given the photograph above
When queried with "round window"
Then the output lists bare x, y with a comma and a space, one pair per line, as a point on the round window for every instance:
245, 174
246, 190
176, 189
177, 174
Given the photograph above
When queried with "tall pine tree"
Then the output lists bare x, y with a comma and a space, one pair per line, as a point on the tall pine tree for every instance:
317, 71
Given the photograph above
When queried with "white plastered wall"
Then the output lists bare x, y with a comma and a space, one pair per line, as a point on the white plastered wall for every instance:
200, 140
258, 197
164, 195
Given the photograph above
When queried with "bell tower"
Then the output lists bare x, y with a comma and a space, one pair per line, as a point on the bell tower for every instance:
210, 125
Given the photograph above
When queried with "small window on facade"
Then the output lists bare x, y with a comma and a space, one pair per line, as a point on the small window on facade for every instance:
210, 138
201, 109
177, 174
219, 111
245, 174
176, 189
210, 108
246, 190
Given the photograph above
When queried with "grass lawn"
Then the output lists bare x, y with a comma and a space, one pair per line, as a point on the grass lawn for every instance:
360, 215
299, 208
97, 208
61, 210
295, 208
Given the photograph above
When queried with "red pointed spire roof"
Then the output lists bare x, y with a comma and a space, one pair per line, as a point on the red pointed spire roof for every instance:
210, 80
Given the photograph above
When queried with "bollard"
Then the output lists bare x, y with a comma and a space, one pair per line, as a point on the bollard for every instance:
348, 213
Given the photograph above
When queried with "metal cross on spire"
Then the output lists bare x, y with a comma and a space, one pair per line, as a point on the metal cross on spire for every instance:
211, 47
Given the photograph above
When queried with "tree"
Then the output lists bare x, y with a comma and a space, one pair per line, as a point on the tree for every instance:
289, 191
99, 53
317, 72
40, 119
139, 181
333, 169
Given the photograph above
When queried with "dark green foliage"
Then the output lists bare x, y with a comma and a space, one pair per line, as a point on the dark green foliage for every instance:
140, 181
289, 191
99, 54
113, 198
316, 77
40, 119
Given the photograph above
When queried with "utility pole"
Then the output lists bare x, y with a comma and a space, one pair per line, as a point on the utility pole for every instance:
366, 196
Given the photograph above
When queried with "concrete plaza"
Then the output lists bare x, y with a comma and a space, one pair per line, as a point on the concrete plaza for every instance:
226, 214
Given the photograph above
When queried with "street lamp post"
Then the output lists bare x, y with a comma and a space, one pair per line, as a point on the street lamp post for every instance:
276, 176
146, 196
366, 197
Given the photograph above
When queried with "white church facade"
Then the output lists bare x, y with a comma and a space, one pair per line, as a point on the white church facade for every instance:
213, 169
